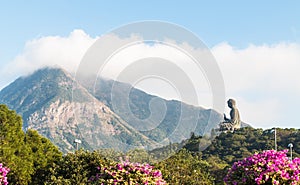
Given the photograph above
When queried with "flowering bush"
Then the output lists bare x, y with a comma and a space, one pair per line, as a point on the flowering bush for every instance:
3, 173
268, 167
128, 173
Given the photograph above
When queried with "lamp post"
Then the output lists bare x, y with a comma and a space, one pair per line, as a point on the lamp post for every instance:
275, 137
77, 141
291, 149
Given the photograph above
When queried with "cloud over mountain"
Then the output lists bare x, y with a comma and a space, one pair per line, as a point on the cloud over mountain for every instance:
263, 79
65, 52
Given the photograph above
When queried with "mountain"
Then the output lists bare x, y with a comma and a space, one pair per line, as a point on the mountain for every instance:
176, 119
104, 114
55, 105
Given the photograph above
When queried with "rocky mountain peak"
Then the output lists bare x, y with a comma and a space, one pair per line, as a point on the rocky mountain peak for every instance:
59, 107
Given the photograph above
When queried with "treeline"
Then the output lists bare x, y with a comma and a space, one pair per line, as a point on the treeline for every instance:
33, 159
227, 148
28, 155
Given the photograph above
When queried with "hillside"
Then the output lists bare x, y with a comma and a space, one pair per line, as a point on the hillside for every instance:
63, 109
227, 148
52, 103
176, 123
231, 147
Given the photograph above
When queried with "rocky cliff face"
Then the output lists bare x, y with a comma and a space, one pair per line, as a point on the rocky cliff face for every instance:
55, 105
52, 102
170, 119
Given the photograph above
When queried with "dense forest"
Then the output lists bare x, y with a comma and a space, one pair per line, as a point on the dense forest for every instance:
33, 159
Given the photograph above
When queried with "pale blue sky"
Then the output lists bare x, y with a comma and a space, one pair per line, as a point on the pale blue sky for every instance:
236, 22
245, 31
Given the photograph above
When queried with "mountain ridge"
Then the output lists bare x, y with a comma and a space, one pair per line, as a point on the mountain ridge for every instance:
61, 108
52, 103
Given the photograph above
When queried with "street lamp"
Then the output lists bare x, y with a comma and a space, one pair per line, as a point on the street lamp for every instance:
77, 141
275, 137
291, 149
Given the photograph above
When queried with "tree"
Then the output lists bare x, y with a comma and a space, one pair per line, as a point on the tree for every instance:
138, 155
28, 155
76, 168
44, 155
184, 168
217, 168
14, 153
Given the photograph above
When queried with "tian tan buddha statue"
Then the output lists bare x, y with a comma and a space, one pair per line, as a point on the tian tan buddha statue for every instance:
234, 122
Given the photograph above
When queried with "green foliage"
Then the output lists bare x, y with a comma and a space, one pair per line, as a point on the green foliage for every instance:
76, 168
138, 155
184, 168
232, 147
44, 155
197, 143
217, 168
228, 148
14, 153
111, 154
29, 156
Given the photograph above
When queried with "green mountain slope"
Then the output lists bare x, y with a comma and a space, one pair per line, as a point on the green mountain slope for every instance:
222, 151
231, 147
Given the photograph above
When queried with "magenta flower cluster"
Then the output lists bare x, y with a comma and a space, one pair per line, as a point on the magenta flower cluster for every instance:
129, 173
268, 167
3, 173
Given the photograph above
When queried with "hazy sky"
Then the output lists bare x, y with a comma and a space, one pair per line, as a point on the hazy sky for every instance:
256, 44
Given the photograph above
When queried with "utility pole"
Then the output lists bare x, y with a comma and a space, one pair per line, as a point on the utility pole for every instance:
291, 149
275, 138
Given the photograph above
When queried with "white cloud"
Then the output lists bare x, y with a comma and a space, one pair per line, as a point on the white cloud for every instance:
49, 51
264, 79
259, 68
158, 57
